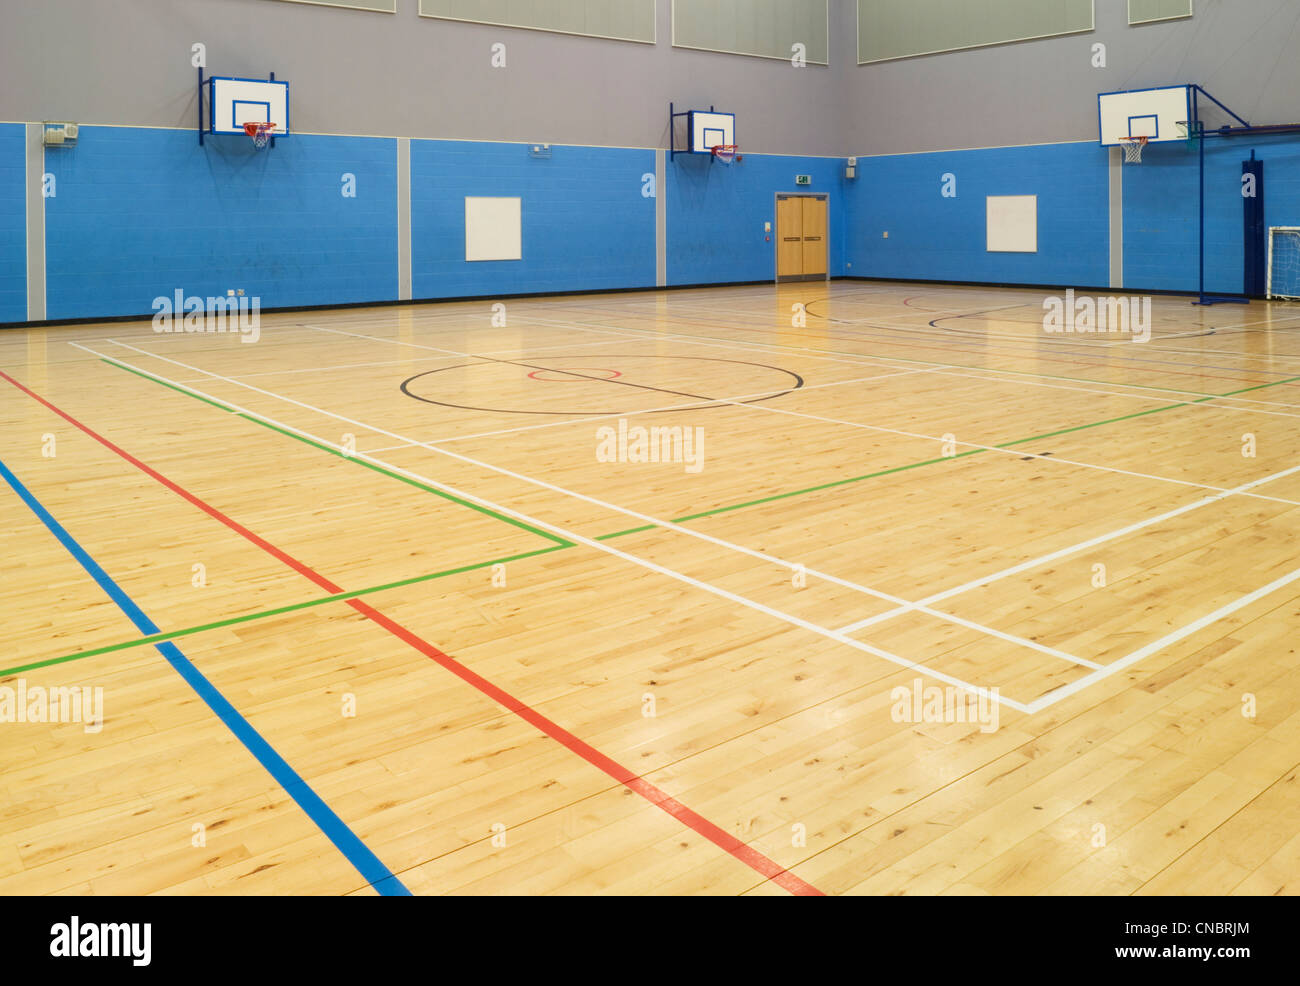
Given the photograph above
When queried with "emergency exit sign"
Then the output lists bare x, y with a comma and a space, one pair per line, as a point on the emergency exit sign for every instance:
803, 179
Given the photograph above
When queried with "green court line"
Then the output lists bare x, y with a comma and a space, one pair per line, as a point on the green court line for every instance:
558, 541
277, 611
170, 386
554, 539
950, 458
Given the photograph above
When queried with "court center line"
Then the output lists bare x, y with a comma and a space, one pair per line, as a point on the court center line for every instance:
372, 870
660, 799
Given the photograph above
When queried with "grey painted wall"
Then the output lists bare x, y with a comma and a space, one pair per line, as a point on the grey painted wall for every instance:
1242, 51
127, 62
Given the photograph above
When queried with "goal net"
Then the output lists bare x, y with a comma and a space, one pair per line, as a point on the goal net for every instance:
1284, 262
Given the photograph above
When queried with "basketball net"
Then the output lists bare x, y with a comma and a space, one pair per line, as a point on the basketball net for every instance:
260, 132
726, 153
1133, 148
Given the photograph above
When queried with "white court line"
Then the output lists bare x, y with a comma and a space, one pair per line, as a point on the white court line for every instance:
645, 518
1071, 549
591, 543
806, 353
1065, 691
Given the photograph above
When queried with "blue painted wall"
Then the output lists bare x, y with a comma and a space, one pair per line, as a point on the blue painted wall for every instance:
1161, 219
140, 213
937, 238
585, 223
13, 223
715, 214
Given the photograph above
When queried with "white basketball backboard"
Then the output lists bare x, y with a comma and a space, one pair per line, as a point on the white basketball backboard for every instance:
234, 102
1150, 113
709, 129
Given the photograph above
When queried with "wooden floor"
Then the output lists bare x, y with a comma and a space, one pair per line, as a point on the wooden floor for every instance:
482, 658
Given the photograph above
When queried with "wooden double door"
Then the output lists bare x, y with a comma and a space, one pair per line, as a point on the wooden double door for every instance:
801, 237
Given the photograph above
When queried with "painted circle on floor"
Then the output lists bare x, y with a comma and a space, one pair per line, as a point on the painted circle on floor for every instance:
642, 384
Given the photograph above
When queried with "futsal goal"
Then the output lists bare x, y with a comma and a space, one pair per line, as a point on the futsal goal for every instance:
1284, 262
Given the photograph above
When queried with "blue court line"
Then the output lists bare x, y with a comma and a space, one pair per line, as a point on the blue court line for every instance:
357, 852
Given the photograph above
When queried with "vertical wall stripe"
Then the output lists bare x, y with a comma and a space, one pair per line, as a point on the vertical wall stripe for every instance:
661, 221
1116, 217
35, 222
404, 218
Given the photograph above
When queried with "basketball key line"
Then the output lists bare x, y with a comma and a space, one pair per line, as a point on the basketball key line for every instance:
660, 799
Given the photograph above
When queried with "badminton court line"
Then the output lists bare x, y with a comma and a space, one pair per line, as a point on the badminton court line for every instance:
644, 518
589, 542
1065, 691
634, 782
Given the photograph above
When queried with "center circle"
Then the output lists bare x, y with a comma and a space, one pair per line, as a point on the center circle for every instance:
770, 383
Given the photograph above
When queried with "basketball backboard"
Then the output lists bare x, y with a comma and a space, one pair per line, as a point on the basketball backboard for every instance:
699, 131
234, 102
1151, 113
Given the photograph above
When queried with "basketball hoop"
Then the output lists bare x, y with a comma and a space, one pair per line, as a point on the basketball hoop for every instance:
1133, 148
726, 153
260, 132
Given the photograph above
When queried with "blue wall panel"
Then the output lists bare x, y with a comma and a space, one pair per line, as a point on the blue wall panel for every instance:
585, 223
1161, 219
715, 214
140, 213
13, 223
936, 238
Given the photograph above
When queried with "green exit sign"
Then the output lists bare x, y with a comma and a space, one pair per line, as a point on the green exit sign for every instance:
803, 179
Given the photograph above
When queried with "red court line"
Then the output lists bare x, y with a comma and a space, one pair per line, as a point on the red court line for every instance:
660, 799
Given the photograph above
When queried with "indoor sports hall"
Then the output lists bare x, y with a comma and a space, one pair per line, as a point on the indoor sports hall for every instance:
650, 447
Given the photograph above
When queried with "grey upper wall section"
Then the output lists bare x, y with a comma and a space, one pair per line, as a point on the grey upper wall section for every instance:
1242, 51
127, 62
350, 71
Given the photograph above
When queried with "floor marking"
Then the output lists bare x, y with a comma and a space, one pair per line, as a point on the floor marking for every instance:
652, 566
669, 407
277, 611
1072, 549
974, 445
702, 826
374, 872
333, 449
904, 604
1057, 694
808, 353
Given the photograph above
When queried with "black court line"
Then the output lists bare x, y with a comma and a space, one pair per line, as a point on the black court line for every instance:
708, 402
